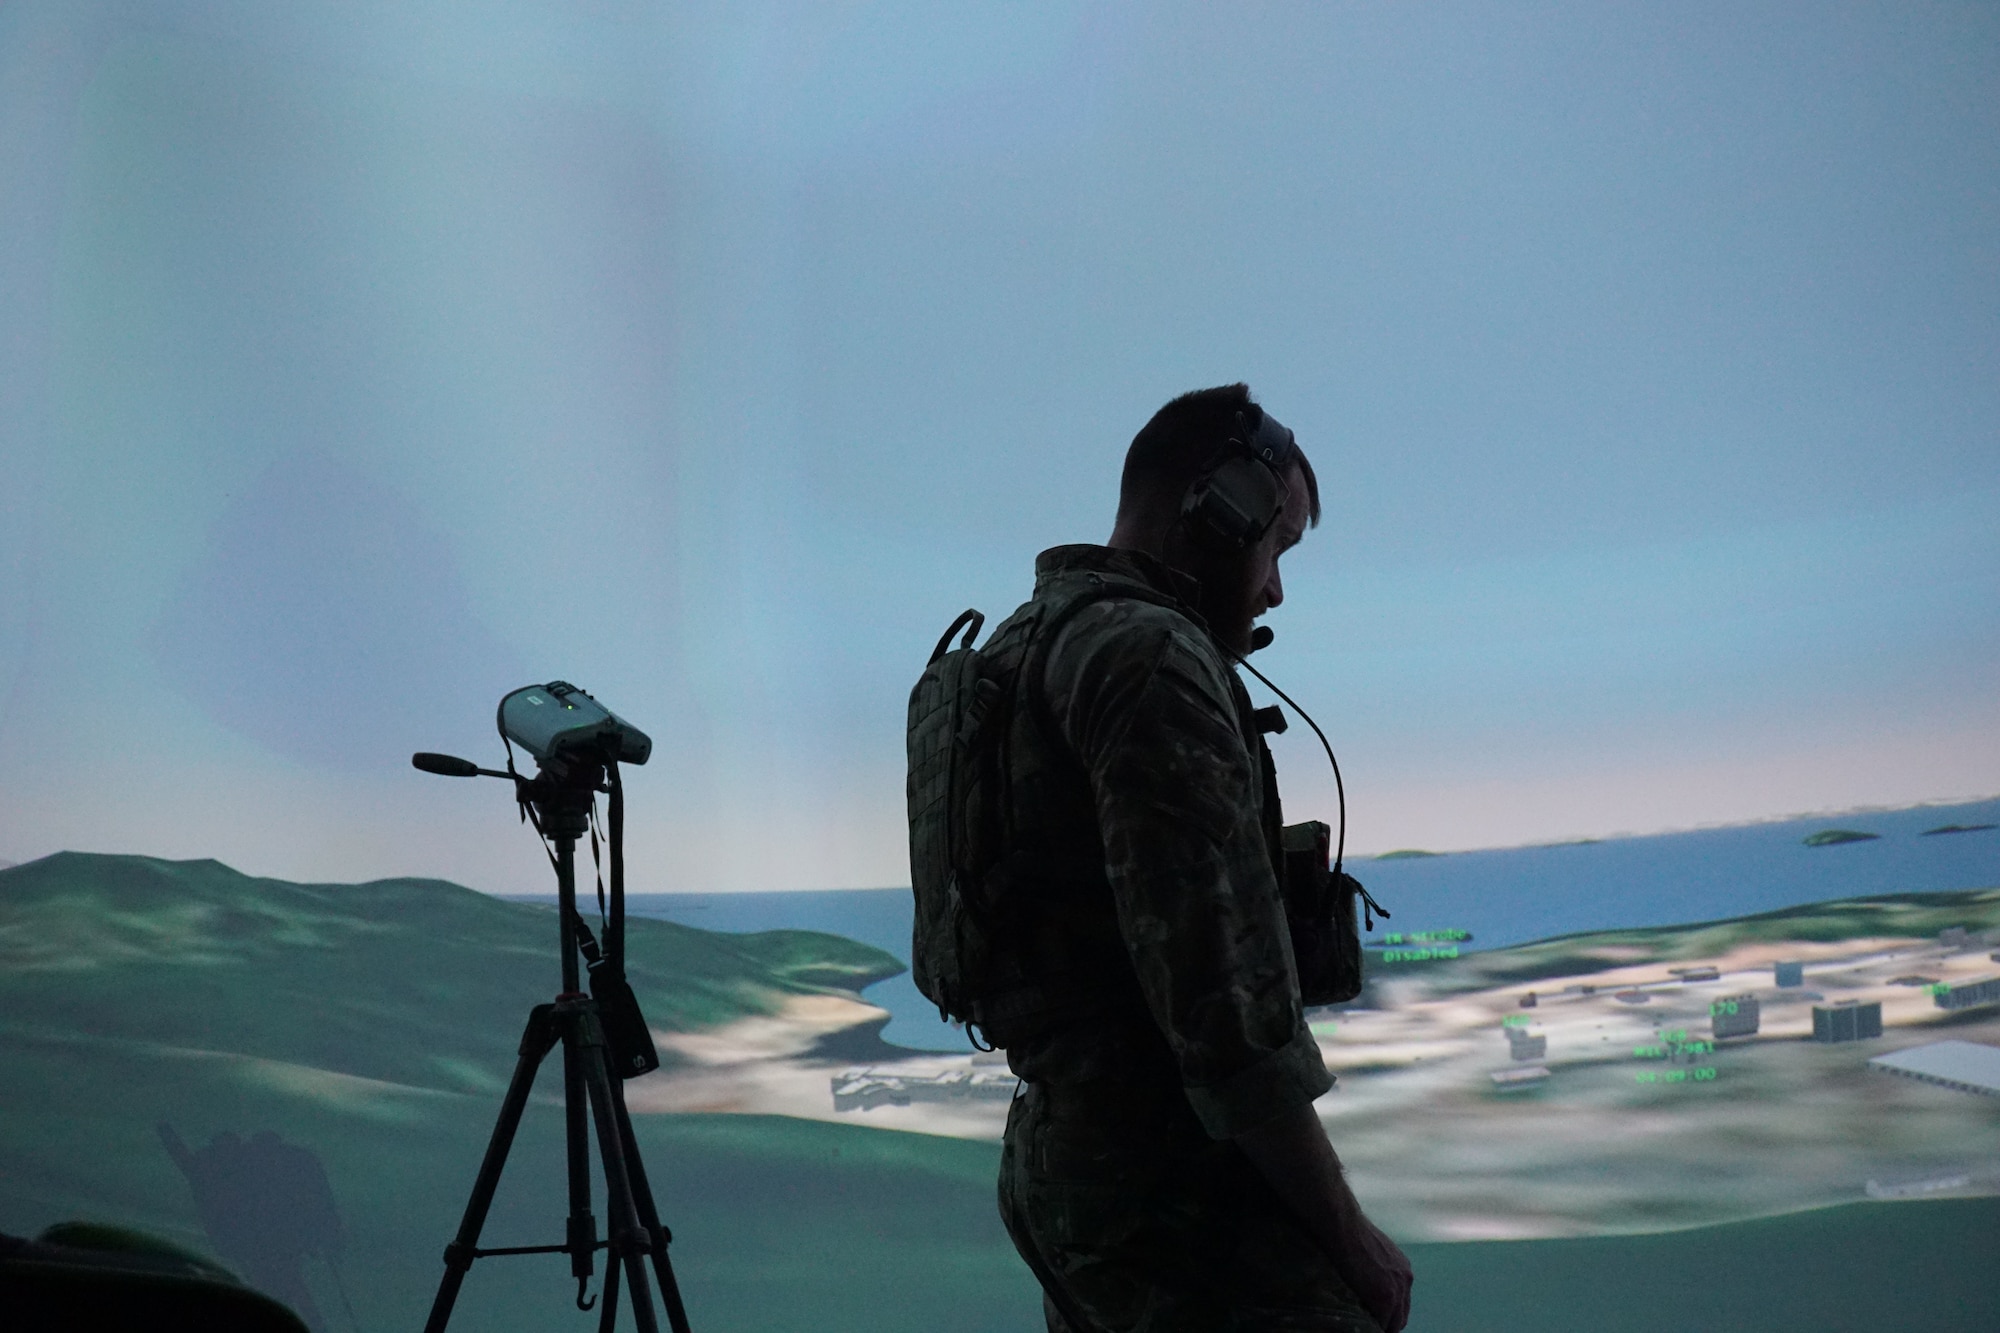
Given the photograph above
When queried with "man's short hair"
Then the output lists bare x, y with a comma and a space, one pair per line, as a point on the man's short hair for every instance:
1182, 441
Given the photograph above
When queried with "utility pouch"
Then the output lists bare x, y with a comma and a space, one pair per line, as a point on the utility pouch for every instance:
626, 1035
629, 1042
1319, 910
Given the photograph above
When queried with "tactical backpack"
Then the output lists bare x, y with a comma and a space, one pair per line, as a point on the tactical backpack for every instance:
970, 884
996, 942
950, 712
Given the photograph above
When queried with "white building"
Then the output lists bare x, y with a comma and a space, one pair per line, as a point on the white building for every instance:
1518, 1080
864, 1089
1967, 1066
1524, 1045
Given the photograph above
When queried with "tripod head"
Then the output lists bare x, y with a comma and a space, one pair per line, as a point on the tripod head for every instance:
558, 798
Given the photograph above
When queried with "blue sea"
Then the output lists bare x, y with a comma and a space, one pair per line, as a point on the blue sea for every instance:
1502, 897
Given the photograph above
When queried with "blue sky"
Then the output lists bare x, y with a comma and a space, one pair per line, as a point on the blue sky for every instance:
364, 361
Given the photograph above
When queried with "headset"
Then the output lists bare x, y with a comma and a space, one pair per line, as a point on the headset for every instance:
1232, 504
1240, 494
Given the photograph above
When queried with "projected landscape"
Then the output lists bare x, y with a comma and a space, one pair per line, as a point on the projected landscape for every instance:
363, 363
1614, 1083
1569, 1087
375, 1025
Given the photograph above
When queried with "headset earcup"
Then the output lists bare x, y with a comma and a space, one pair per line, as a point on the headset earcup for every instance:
1236, 502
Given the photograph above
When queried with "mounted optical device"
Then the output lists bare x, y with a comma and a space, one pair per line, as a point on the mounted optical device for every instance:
577, 745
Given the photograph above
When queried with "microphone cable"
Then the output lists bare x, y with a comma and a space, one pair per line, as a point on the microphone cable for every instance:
1339, 787
1262, 639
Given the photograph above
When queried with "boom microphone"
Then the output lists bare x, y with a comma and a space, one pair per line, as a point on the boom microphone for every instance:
1260, 638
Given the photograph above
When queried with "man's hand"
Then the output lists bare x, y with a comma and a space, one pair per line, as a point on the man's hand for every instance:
1292, 1153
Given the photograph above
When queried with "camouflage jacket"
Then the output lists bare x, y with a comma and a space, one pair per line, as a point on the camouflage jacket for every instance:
1158, 727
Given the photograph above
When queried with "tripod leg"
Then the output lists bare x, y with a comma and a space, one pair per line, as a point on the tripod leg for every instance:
536, 1043
581, 1237
649, 1215
629, 1241
607, 1313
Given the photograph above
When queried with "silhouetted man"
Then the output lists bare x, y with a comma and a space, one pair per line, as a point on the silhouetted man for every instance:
1164, 1168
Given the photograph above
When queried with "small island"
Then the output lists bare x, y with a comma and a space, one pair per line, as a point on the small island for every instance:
1833, 837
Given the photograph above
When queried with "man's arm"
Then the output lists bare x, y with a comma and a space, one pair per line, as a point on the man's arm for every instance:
1177, 790
1199, 907
1291, 1151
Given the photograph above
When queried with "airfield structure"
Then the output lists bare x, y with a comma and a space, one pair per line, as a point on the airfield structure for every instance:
1789, 974
1847, 1020
865, 1089
1519, 1080
1734, 1016
1917, 1189
1954, 937
1971, 995
1966, 1066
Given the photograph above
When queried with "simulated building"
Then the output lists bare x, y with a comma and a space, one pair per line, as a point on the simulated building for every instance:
1696, 973
1966, 1066
1847, 1020
1734, 1016
1519, 1080
1523, 1045
1953, 938
1916, 1189
1971, 995
1789, 974
865, 1089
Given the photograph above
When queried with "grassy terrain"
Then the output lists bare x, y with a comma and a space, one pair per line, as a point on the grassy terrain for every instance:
787, 1224
376, 1024
1859, 1267
373, 1024
1903, 915
418, 982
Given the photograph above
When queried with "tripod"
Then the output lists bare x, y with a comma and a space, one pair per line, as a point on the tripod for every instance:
559, 800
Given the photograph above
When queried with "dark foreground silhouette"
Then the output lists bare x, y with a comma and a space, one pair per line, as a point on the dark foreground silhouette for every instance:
267, 1207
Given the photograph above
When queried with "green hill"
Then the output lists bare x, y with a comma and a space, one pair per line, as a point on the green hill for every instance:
376, 1023
1834, 837
412, 981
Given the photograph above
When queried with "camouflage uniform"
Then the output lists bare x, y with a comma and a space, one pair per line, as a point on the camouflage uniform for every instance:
1119, 1182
